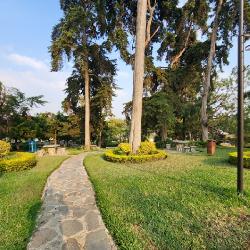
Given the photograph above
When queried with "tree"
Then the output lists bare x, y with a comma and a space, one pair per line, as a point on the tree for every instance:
15, 109
115, 132
135, 127
207, 81
102, 90
72, 36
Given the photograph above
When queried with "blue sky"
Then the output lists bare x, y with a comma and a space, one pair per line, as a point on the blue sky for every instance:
25, 28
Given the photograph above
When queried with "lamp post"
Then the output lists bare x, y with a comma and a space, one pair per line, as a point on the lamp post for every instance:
241, 44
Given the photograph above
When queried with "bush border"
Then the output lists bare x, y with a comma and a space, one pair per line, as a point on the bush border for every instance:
20, 161
109, 155
233, 159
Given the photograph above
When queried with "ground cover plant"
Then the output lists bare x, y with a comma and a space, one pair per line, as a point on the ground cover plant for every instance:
246, 158
17, 161
20, 201
146, 152
187, 201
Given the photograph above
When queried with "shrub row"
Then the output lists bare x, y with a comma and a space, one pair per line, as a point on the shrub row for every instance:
246, 158
17, 162
4, 148
110, 155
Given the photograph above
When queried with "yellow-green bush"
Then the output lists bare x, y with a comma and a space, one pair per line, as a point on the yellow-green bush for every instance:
4, 148
17, 162
146, 148
125, 148
246, 158
111, 155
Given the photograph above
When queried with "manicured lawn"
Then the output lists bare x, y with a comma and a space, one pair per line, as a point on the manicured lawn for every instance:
20, 201
183, 202
75, 151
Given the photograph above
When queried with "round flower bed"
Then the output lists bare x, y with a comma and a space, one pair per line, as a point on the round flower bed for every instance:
17, 162
246, 158
146, 152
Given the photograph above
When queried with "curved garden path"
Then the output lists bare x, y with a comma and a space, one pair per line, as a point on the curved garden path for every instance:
69, 218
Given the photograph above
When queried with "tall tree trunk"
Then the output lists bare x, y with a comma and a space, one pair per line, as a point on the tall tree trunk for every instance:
87, 108
135, 130
207, 80
55, 142
87, 94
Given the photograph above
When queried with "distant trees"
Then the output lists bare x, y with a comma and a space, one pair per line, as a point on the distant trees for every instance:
15, 112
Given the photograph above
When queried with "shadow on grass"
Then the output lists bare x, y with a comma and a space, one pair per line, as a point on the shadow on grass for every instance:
32, 216
202, 181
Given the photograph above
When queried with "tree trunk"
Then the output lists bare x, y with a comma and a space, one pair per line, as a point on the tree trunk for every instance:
100, 139
207, 80
55, 142
164, 132
135, 130
87, 95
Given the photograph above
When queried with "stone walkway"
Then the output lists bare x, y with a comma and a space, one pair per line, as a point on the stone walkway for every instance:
69, 218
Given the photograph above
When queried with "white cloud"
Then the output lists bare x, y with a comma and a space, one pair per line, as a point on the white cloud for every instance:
27, 61
35, 78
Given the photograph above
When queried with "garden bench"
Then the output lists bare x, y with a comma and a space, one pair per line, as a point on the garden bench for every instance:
187, 149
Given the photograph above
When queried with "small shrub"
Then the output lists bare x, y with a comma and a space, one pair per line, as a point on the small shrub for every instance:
146, 148
4, 148
111, 155
17, 162
124, 148
246, 158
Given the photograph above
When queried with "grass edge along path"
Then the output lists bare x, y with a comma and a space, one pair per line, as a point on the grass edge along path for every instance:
183, 202
20, 201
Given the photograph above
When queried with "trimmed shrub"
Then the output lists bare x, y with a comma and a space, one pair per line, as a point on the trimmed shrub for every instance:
246, 158
124, 148
4, 148
111, 155
17, 162
147, 148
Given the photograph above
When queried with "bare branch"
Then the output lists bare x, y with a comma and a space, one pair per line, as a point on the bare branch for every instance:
149, 23
175, 59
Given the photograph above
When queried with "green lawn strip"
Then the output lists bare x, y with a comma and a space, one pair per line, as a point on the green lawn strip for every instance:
75, 151
20, 201
183, 202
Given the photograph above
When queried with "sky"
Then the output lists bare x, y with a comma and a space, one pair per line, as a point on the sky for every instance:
25, 29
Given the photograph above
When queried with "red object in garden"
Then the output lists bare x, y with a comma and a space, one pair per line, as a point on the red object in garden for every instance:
211, 147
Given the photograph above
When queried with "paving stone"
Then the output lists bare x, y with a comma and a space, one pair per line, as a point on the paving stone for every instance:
71, 227
97, 241
42, 236
71, 244
79, 212
92, 221
69, 218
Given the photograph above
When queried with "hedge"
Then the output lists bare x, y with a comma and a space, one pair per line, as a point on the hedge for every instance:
246, 158
110, 155
4, 148
17, 162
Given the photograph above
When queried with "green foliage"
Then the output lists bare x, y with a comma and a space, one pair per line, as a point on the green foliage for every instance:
15, 110
17, 162
147, 148
246, 158
4, 148
112, 156
125, 148
115, 132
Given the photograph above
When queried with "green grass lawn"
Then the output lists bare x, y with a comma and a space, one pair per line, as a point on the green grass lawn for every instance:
75, 151
184, 202
20, 201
